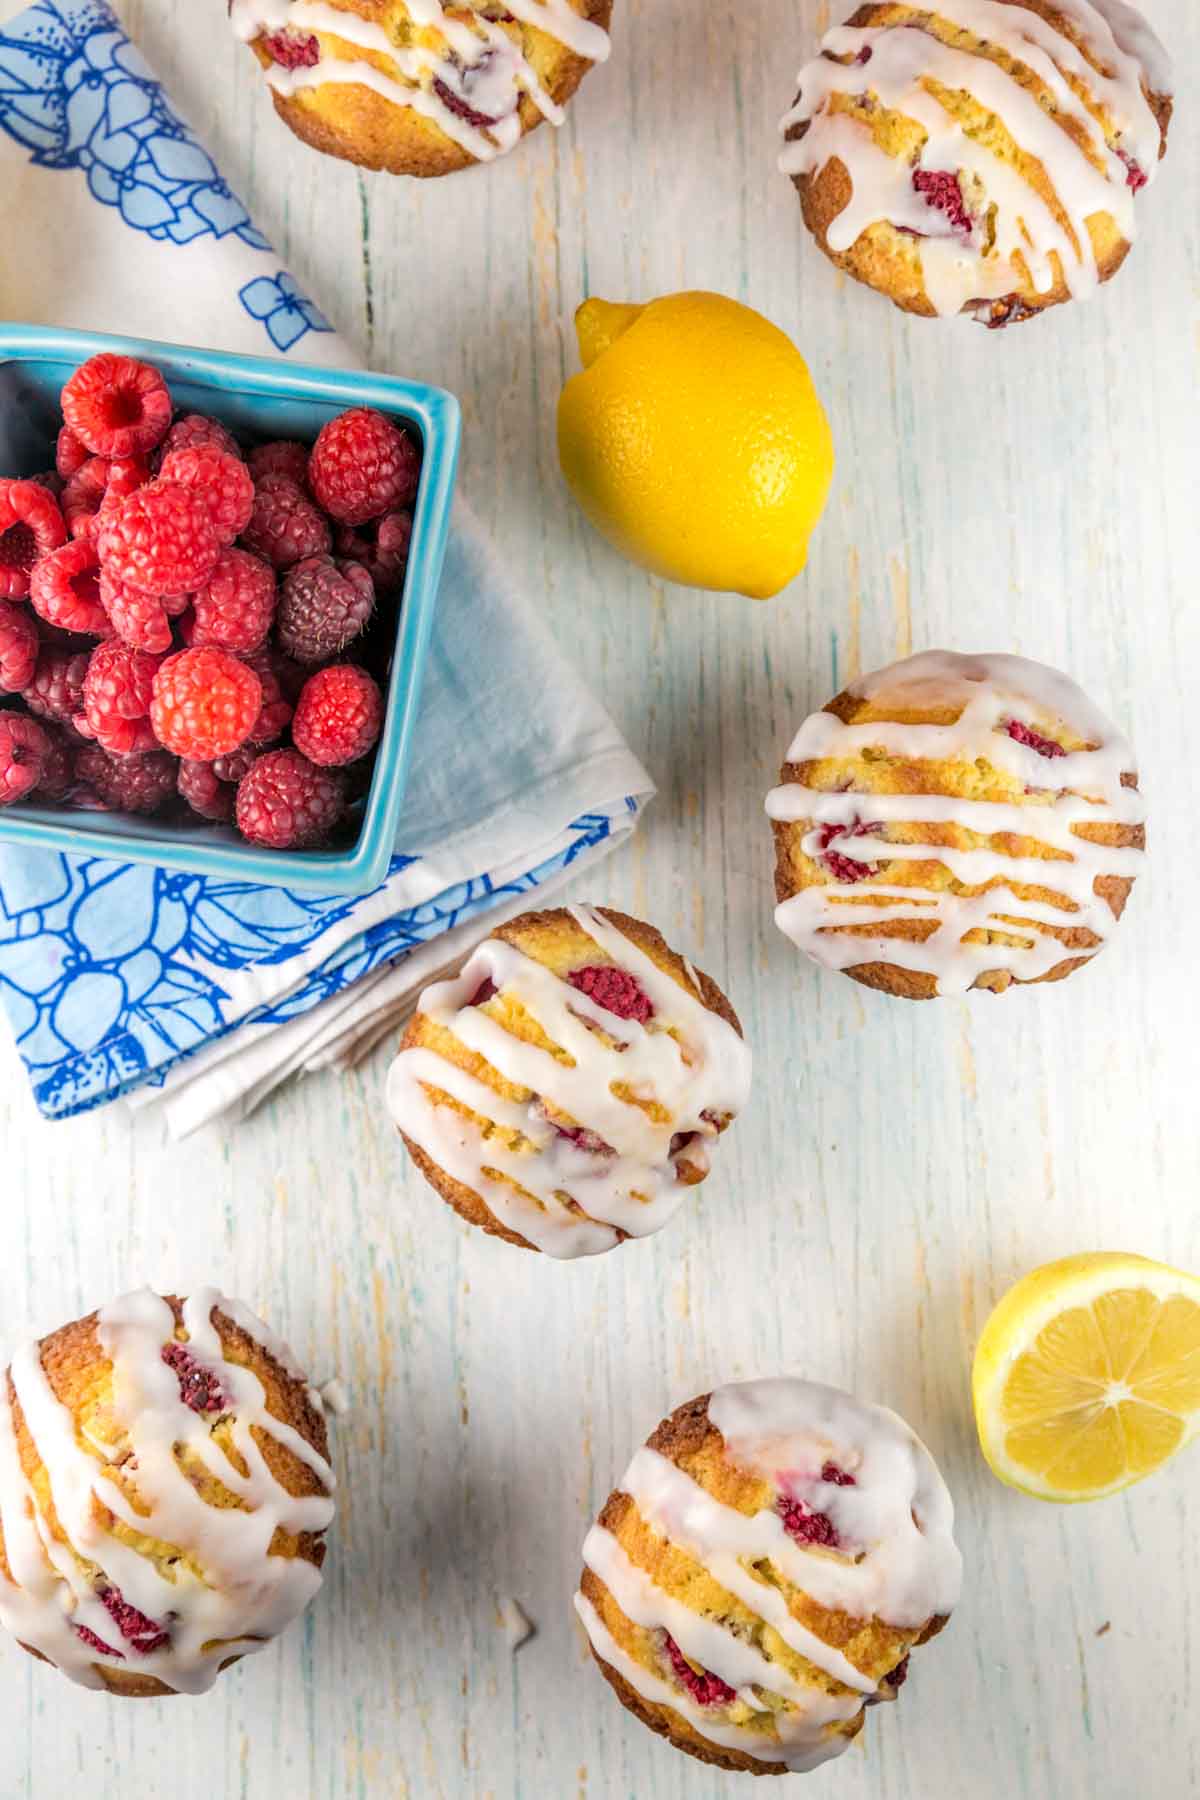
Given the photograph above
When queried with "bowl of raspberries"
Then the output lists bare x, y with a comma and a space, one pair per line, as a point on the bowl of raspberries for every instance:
217, 584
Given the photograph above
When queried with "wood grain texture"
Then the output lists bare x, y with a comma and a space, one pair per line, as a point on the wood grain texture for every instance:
898, 1166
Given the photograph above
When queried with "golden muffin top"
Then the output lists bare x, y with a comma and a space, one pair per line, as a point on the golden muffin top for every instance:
765, 1565
958, 817
164, 1489
464, 67
988, 132
575, 1075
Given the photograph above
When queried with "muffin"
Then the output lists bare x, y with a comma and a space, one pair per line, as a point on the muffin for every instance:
422, 87
980, 158
567, 1088
956, 822
164, 1493
771, 1558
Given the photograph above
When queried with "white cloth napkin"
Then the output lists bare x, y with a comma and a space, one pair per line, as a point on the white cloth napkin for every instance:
519, 777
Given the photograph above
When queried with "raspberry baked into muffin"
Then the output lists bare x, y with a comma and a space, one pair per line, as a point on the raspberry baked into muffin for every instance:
422, 87
954, 822
164, 1493
566, 1090
980, 156
762, 1573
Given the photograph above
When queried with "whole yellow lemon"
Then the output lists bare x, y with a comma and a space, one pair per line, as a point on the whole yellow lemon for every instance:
695, 442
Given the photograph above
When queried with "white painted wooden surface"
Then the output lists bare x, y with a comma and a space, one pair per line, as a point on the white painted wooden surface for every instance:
898, 1166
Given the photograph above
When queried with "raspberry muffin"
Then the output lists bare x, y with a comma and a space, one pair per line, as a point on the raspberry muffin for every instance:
771, 1558
567, 1088
956, 822
980, 156
422, 87
164, 1493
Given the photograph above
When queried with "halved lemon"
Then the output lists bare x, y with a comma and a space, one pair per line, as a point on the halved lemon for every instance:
1087, 1375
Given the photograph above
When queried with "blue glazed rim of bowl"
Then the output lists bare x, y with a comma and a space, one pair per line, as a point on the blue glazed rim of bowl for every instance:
240, 389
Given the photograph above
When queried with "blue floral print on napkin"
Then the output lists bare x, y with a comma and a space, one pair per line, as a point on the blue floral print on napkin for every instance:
79, 97
111, 973
283, 309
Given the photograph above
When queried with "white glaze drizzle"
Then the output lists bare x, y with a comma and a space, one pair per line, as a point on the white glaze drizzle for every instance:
704, 1068
957, 272
896, 1561
243, 1596
499, 73
1086, 789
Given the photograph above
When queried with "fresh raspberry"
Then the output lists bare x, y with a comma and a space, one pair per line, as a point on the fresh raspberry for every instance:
381, 548
199, 1387
287, 803
323, 607
616, 990
943, 193
70, 453
845, 869
206, 703
237, 765
117, 406
18, 648
276, 715
285, 525
31, 525
142, 1633
123, 476
87, 799
58, 766
23, 750
83, 497
283, 457
117, 692
64, 589
292, 49
235, 607
138, 619
224, 481
290, 674
837, 1477
205, 792
363, 466
142, 783
1033, 740
806, 1526
161, 540
705, 1688
194, 429
56, 691
338, 716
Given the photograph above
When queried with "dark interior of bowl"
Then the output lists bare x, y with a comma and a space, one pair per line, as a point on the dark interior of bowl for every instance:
30, 418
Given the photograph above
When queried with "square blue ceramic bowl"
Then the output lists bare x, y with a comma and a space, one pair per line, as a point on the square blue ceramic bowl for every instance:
259, 399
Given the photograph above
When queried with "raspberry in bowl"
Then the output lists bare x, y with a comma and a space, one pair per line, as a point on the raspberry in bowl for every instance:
570, 1153
232, 563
